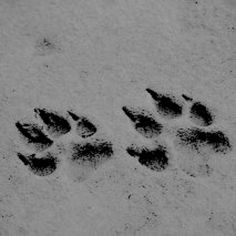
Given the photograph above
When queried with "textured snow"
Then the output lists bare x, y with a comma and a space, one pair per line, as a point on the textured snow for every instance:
94, 57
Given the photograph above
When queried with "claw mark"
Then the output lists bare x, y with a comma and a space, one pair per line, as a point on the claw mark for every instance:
165, 104
85, 128
187, 98
34, 135
197, 138
91, 153
40, 166
156, 159
143, 123
201, 114
56, 124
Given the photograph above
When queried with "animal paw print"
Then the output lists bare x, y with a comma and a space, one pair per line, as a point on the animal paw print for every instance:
201, 136
72, 135
193, 145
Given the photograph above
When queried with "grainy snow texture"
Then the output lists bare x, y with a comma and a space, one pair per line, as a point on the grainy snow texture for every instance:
117, 118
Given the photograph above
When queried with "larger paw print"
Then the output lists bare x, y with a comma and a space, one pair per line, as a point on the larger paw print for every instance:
84, 150
193, 145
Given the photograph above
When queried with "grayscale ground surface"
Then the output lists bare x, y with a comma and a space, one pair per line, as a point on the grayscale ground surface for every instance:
117, 118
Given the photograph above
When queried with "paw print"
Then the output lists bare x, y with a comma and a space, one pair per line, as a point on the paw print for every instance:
202, 137
54, 135
193, 146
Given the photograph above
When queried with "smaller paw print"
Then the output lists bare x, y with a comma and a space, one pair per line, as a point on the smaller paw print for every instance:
55, 135
193, 145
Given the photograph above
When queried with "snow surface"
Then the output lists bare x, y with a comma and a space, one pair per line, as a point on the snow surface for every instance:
95, 57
